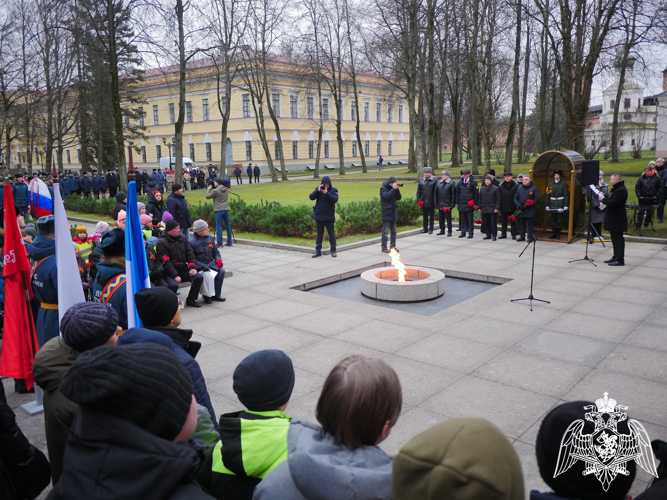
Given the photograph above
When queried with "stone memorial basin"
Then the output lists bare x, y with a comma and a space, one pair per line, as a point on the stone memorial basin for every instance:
420, 283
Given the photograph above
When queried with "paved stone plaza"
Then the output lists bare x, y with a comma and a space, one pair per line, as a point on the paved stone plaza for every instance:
484, 357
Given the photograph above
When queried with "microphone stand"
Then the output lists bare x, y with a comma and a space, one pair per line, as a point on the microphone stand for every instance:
531, 297
588, 227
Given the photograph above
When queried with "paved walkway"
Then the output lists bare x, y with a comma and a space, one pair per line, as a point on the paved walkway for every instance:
487, 357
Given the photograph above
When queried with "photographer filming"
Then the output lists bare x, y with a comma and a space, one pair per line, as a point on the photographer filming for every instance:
389, 195
217, 190
324, 213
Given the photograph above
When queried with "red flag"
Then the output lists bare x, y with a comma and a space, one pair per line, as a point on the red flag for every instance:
19, 340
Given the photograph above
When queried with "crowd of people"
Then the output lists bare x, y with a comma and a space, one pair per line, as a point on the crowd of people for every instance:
128, 415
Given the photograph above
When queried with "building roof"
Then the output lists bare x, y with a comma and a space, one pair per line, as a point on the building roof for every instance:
595, 109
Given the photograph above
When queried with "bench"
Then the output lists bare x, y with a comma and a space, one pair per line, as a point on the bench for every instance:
357, 165
310, 168
329, 166
392, 163
402, 162
279, 170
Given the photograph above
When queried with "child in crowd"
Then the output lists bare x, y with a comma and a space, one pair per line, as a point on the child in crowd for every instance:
122, 215
460, 458
253, 441
99, 229
83, 243
147, 226
359, 404
84, 272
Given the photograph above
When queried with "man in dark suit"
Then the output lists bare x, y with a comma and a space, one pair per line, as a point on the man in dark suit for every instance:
616, 219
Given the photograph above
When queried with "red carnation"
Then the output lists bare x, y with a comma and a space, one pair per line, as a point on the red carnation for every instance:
191, 265
512, 218
471, 203
165, 257
529, 203
420, 203
218, 262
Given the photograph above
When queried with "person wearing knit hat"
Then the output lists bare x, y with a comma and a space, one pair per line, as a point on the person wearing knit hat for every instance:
84, 326
208, 260
166, 217
263, 382
459, 459
159, 311
109, 283
84, 244
136, 415
179, 261
177, 206
141, 207
122, 216
100, 228
121, 204
146, 225
573, 483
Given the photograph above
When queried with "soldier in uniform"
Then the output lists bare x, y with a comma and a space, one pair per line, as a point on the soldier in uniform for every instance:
109, 284
44, 279
558, 201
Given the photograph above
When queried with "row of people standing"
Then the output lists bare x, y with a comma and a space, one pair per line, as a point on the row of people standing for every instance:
250, 172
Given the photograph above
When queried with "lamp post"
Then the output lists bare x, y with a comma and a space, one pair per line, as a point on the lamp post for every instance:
169, 145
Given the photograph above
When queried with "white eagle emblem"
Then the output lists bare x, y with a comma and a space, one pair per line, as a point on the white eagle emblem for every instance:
605, 451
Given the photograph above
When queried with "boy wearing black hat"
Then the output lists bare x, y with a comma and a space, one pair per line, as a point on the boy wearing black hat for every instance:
558, 201
44, 279
109, 283
252, 442
131, 434
84, 326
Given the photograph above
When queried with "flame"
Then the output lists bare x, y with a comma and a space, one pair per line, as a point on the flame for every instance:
396, 262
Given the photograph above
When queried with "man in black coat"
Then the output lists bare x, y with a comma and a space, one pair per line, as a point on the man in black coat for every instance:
648, 189
177, 206
121, 204
616, 219
492, 174
248, 171
489, 205
144, 180
467, 199
445, 200
324, 213
426, 199
525, 199
390, 193
256, 171
112, 182
507, 207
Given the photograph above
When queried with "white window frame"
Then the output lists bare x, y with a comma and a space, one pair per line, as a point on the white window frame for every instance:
390, 148
354, 148
378, 112
379, 148
310, 107
311, 149
246, 105
204, 110
390, 112
276, 104
367, 148
156, 115
353, 109
326, 149
294, 105
209, 151
158, 152
140, 111
143, 154
189, 118
400, 113
325, 108
248, 150
192, 152
367, 111
295, 150
172, 113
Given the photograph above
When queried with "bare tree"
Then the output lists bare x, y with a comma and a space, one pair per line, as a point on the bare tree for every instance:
511, 128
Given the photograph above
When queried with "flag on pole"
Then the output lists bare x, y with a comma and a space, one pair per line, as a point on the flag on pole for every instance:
136, 265
68, 269
19, 340
39, 197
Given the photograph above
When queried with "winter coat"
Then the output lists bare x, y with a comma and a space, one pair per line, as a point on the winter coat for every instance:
144, 178
318, 468
155, 210
206, 251
73, 184
96, 183
177, 206
179, 252
64, 185
51, 363
144, 465
489, 199
522, 195
325, 206
649, 187
155, 264
45, 286
151, 187
178, 341
256, 171
597, 212
445, 194
24, 470
388, 201
112, 181
465, 193
616, 217
238, 172
119, 206
103, 184
94, 259
51, 187
426, 191
249, 171
507, 193
159, 179
220, 198
20, 192
107, 271
557, 195
86, 184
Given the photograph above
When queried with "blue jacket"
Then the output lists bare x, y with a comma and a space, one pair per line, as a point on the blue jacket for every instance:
159, 178
176, 340
206, 252
45, 286
103, 183
96, 183
86, 184
522, 195
388, 198
105, 273
50, 188
73, 184
64, 183
177, 206
465, 193
325, 206
20, 192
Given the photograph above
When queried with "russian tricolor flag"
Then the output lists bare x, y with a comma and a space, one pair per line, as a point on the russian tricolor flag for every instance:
39, 196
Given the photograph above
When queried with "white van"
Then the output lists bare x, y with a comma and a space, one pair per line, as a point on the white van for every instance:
165, 162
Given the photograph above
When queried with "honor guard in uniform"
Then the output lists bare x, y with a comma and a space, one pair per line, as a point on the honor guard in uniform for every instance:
109, 284
558, 201
44, 279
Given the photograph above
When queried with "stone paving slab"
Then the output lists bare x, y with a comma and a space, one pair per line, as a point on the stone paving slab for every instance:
485, 357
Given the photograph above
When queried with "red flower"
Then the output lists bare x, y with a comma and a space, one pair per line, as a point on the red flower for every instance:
471, 203
529, 203
446, 209
165, 257
512, 218
89, 264
420, 203
477, 221
191, 265
218, 262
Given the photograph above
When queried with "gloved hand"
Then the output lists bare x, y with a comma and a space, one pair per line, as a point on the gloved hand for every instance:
565, 208
218, 262
529, 203
471, 203
420, 203
547, 209
204, 268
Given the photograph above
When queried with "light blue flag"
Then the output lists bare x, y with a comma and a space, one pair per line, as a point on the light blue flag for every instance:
136, 265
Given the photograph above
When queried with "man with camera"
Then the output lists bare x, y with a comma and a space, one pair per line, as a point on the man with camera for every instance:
648, 189
324, 213
389, 195
445, 200
217, 190
426, 199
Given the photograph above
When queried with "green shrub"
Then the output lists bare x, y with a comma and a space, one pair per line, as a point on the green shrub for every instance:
92, 206
408, 212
